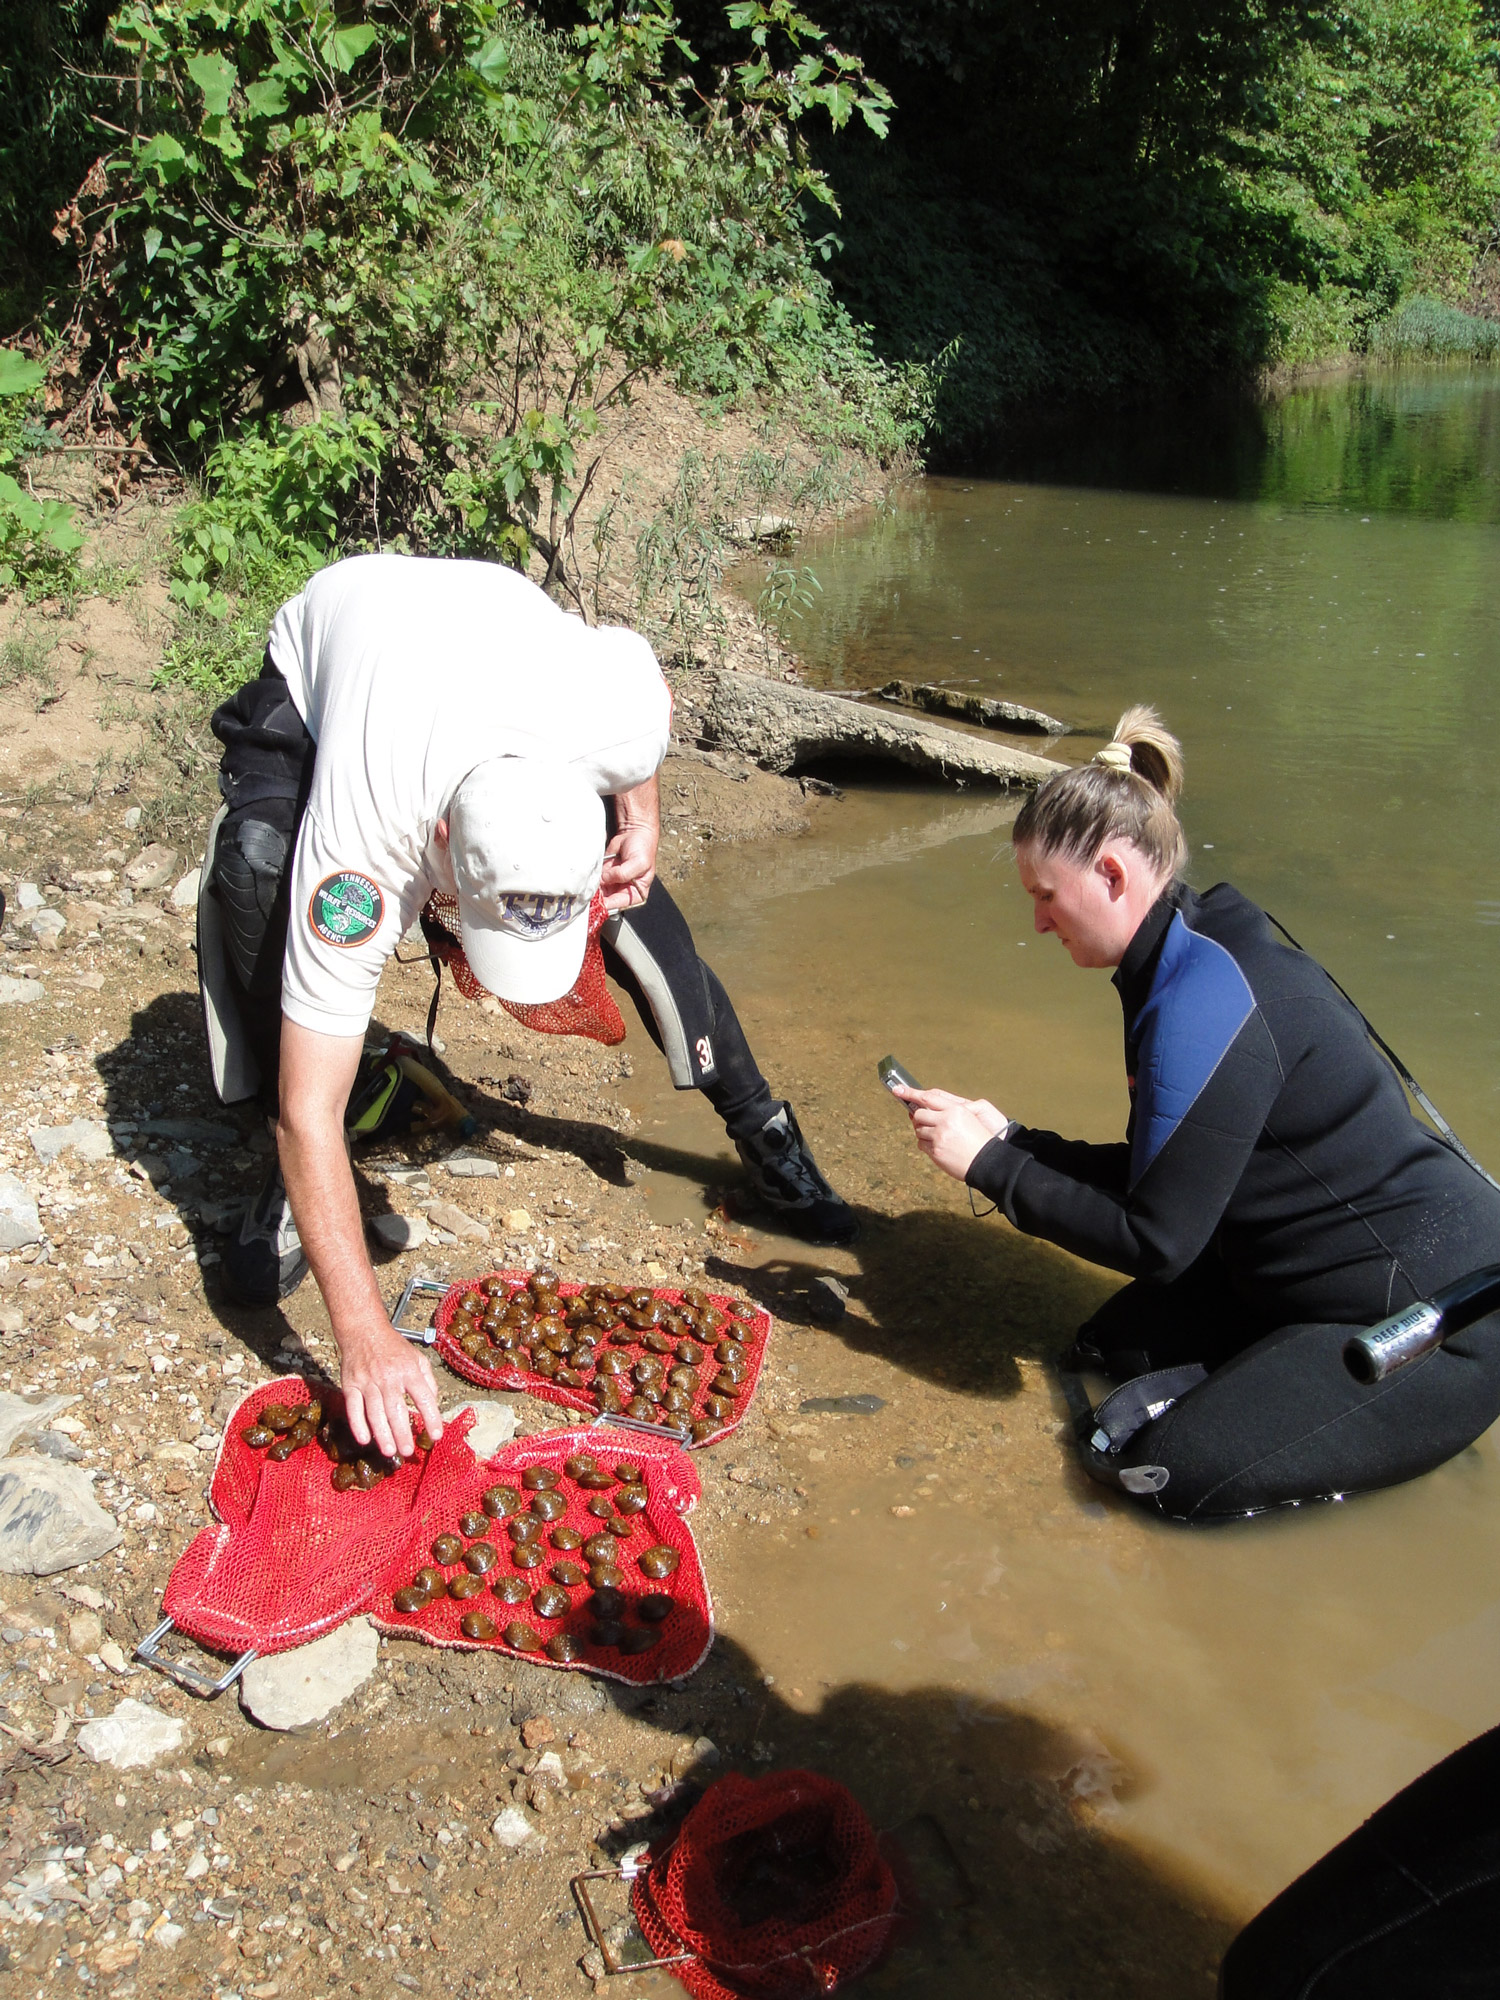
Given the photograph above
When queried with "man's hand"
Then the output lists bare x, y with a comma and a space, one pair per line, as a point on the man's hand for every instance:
379, 1370
952, 1131
630, 858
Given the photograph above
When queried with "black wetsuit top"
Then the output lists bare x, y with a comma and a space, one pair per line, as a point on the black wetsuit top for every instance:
1264, 1129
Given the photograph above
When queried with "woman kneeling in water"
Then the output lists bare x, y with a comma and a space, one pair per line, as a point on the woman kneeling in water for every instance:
1274, 1190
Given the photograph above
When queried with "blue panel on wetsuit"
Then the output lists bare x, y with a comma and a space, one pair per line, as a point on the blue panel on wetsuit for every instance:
1198, 1003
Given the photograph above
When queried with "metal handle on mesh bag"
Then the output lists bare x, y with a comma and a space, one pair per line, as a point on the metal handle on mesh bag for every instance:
426, 1335
181, 1671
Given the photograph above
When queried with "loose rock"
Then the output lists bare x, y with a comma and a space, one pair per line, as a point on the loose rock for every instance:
185, 895
153, 867
841, 1406
289, 1689
18, 1416
988, 713
20, 992
49, 1518
87, 1137
472, 1166
512, 1828
495, 1424
133, 1738
401, 1232
20, 1223
827, 1298
446, 1215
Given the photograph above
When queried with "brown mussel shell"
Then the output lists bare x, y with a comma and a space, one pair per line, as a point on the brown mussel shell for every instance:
512, 1589
595, 1481
568, 1574
656, 1608
429, 1579
446, 1549
460, 1587
550, 1602
566, 1539
628, 1473
729, 1352
656, 1343
607, 1636
473, 1524
607, 1603
480, 1558
570, 1378
676, 1402
522, 1638
278, 1417
282, 1450
528, 1555
658, 1562
647, 1370
704, 1429
409, 1598
475, 1625
500, 1501
301, 1434
682, 1378
600, 1508
643, 1406
549, 1506
605, 1576
564, 1646
621, 1530
599, 1548
524, 1528
689, 1353
632, 1501
717, 1406
540, 1478
639, 1639
343, 1478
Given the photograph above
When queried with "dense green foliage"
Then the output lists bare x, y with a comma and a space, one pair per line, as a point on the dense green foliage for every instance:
39, 539
453, 239
1094, 198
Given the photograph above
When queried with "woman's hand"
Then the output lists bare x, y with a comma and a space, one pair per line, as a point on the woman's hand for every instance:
379, 1372
952, 1131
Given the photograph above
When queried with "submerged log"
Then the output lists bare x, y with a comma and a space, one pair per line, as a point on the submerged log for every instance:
785, 727
982, 709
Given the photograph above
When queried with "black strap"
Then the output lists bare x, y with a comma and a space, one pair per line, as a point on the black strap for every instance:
1140, 1402
1445, 1130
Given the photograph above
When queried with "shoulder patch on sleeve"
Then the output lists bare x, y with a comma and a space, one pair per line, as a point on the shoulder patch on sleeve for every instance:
345, 909
1199, 1001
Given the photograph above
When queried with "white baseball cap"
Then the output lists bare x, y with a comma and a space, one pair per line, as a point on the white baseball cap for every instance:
526, 843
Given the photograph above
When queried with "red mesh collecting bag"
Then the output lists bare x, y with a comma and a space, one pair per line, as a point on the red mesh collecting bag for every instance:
776, 1886
292, 1556
476, 1356
587, 1010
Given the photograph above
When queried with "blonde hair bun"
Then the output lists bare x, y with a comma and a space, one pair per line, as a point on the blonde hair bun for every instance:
1129, 791
1155, 753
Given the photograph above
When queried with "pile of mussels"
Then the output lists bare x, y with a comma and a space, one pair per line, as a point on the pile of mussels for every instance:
638, 1355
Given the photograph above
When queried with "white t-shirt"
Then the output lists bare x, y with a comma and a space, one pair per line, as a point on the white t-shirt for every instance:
408, 672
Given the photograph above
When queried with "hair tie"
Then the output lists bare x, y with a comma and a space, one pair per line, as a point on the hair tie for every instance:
1114, 757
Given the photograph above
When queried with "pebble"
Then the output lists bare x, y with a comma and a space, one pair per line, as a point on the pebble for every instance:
185, 895
400, 1232
472, 1166
517, 1221
20, 992
20, 1223
49, 1518
133, 1738
29, 896
444, 1215
827, 1298
304, 1685
841, 1406
153, 867
495, 1424
513, 1829
87, 1137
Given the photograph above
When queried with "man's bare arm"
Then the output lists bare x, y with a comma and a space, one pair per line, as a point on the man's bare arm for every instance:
630, 858
379, 1369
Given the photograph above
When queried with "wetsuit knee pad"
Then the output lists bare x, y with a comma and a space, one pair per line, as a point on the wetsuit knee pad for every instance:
252, 868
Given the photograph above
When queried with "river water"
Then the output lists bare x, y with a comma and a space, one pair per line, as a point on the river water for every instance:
1311, 595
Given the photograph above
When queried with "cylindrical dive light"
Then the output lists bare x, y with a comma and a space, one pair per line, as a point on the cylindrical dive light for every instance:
1406, 1336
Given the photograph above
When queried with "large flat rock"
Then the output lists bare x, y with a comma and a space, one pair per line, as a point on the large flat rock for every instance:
49, 1518
288, 1690
782, 727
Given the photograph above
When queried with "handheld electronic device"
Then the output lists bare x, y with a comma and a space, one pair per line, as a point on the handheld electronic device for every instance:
893, 1074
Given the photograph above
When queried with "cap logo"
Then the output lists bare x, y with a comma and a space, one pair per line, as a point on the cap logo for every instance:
534, 917
345, 909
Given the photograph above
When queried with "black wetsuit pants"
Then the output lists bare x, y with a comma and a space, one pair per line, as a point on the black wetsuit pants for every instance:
1407, 1908
265, 777
1263, 1418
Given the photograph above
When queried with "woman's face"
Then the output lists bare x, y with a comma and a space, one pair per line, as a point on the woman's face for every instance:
1093, 908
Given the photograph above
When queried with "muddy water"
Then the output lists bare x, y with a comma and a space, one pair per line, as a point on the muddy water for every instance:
1318, 619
